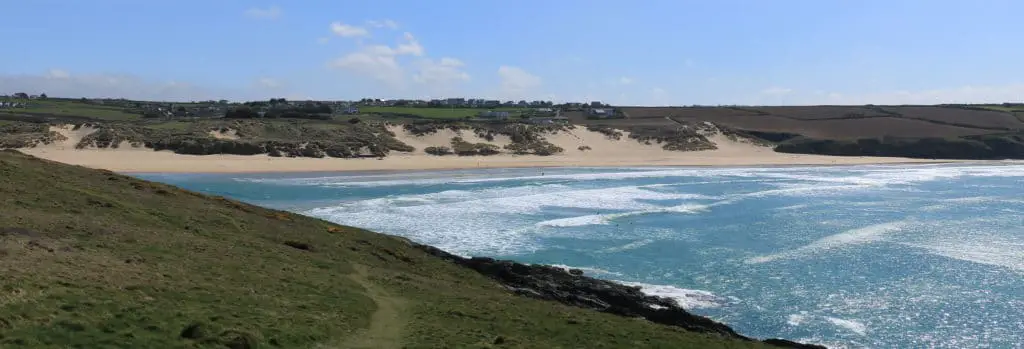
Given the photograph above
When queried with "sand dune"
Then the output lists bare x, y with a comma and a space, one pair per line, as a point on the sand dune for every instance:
603, 152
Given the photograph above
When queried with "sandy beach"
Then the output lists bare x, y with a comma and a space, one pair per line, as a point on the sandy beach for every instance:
603, 152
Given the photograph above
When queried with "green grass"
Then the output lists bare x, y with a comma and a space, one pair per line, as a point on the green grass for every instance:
1003, 108
436, 113
93, 259
69, 108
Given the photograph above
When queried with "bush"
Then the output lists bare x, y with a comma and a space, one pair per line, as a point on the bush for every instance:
545, 149
462, 148
584, 147
241, 113
439, 151
609, 132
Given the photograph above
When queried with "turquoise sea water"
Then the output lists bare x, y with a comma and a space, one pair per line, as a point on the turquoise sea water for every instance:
860, 257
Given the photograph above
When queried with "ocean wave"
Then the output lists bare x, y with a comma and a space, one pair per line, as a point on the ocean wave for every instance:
605, 219
797, 319
686, 298
851, 325
870, 175
495, 220
988, 251
630, 246
863, 235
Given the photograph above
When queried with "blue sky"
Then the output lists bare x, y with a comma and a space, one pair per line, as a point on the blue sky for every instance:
655, 52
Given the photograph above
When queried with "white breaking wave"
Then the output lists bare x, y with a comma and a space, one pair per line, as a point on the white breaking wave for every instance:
630, 246
587, 270
988, 251
876, 175
853, 326
495, 220
604, 219
863, 235
804, 317
796, 319
687, 299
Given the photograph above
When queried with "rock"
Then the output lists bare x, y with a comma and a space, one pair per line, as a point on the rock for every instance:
570, 287
791, 344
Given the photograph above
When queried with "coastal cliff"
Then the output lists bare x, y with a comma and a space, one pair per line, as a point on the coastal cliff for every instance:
571, 287
92, 258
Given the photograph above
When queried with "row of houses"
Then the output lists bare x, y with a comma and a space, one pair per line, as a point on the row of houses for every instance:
539, 116
458, 102
8, 105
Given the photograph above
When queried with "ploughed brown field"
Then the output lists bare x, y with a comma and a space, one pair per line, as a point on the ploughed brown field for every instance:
838, 122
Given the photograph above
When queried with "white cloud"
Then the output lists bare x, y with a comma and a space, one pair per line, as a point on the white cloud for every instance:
272, 12
411, 46
267, 83
963, 94
387, 23
517, 83
58, 74
445, 71
372, 63
60, 83
625, 80
658, 97
348, 31
776, 91
381, 63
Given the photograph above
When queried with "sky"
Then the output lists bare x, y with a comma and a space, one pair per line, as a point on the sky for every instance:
648, 52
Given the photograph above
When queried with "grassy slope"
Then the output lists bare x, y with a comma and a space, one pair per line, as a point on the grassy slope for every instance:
92, 259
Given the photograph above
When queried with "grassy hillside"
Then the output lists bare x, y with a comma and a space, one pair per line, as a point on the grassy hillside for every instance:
93, 259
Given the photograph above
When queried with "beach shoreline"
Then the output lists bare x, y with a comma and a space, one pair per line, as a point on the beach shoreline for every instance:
581, 148
149, 161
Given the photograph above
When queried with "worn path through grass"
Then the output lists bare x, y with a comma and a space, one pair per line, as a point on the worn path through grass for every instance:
386, 323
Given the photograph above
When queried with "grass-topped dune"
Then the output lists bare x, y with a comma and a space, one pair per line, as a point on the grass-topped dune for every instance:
94, 259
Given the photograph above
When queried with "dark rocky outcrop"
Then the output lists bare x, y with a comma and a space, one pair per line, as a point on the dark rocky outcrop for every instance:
572, 288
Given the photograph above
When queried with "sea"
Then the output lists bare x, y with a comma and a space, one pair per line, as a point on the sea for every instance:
881, 256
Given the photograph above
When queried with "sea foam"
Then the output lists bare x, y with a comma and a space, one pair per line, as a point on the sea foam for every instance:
856, 236
686, 298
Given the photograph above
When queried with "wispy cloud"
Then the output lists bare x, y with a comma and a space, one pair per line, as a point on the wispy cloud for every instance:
267, 83
517, 83
381, 62
272, 12
348, 30
776, 91
387, 23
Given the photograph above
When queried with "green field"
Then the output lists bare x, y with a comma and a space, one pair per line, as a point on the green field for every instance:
74, 108
437, 113
1003, 108
93, 259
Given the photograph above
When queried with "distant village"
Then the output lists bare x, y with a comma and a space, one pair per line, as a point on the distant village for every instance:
542, 112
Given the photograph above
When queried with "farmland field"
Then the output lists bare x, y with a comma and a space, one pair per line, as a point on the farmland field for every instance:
688, 112
436, 113
961, 117
69, 108
843, 122
821, 112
